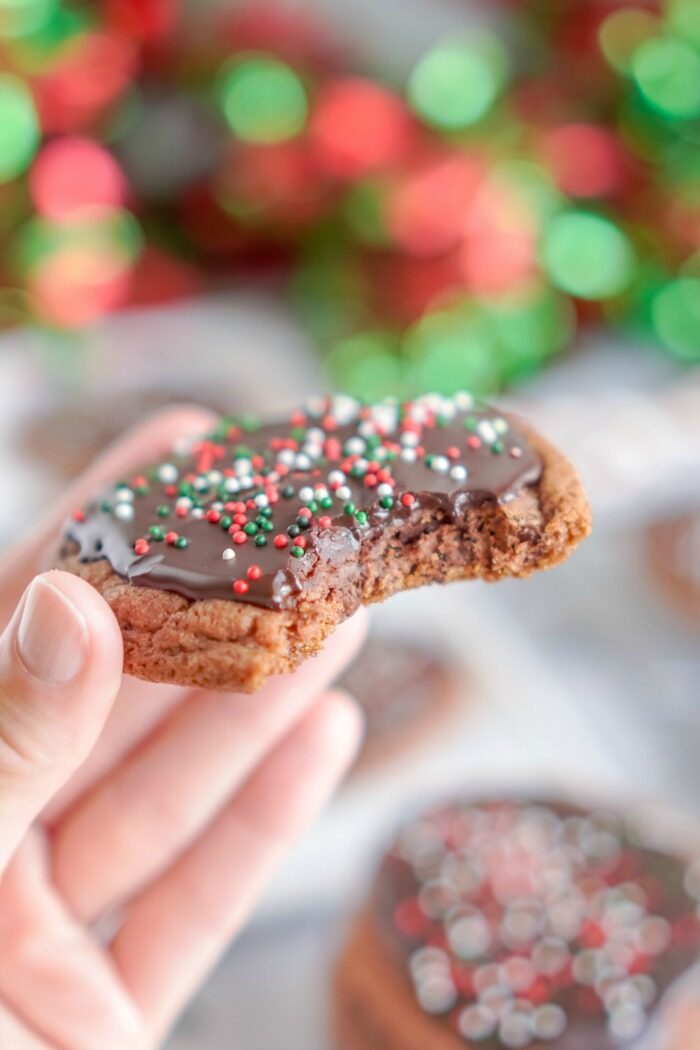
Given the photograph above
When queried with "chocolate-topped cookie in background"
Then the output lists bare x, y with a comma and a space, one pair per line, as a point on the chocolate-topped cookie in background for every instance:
406, 690
509, 923
235, 556
673, 553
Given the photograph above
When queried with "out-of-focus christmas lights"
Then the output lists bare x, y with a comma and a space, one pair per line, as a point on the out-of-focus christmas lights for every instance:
451, 233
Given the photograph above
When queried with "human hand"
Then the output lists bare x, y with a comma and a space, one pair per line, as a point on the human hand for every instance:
173, 805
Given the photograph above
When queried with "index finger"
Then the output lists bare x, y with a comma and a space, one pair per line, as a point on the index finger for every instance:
138, 445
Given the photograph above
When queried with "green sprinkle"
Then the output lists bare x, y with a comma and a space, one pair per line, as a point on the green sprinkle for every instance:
386, 502
106, 506
312, 505
182, 542
361, 516
250, 528
349, 508
156, 532
327, 502
266, 512
497, 447
163, 511
267, 526
141, 490
293, 530
260, 541
226, 522
297, 552
471, 423
288, 491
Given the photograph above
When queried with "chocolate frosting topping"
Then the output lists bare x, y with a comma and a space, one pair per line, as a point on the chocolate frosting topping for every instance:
522, 924
243, 513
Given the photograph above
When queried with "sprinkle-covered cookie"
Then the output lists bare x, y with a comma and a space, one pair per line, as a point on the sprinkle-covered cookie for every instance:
512, 924
249, 544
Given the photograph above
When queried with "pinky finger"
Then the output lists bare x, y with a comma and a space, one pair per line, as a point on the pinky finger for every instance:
13, 1033
177, 928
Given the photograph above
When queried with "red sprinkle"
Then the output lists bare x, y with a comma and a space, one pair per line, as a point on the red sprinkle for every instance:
254, 572
516, 452
474, 441
453, 452
240, 537
213, 516
408, 499
280, 541
241, 586
170, 537
239, 519
325, 522
78, 515
141, 547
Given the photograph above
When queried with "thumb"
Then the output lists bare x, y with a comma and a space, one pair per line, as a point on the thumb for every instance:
60, 669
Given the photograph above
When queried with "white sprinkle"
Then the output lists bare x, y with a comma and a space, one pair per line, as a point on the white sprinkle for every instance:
440, 464
500, 425
306, 493
458, 473
486, 431
343, 492
217, 505
336, 477
215, 477
229, 554
384, 489
549, 1021
302, 461
355, 445
184, 503
124, 511
232, 485
408, 455
315, 435
167, 473
463, 400
477, 1022
286, 456
198, 512
261, 500
409, 439
242, 466
125, 495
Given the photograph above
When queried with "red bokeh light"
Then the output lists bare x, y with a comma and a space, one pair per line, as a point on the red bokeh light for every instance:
586, 160
149, 21
427, 213
77, 286
499, 250
72, 173
358, 128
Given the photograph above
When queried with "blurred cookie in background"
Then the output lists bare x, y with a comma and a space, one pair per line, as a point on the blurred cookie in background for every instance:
673, 551
68, 435
405, 690
514, 923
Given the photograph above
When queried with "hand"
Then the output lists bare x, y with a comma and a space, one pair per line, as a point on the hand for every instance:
174, 805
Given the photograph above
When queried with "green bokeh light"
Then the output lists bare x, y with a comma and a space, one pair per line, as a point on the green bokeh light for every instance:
367, 366
684, 19
622, 33
20, 18
667, 72
19, 127
676, 317
455, 84
364, 209
264, 100
452, 350
587, 255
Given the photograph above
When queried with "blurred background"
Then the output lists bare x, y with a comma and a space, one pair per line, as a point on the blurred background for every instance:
244, 203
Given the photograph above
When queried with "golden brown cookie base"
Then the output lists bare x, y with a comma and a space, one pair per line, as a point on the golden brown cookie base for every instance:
373, 1005
219, 644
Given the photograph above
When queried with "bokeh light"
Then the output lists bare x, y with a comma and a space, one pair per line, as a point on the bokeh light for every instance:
676, 317
587, 255
19, 128
622, 33
71, 173
264, 100
455, 84
367, 364
667, 72
585, 159
358, 127
684, 19
20, 18
429, 209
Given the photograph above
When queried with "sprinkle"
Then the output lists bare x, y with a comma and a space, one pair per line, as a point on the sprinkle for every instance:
297, 552
124, 511
141, 547
408, 499
171, 537
325, 522
181, 542
229, 554
241, 586
240, 537
254, 572
280, 541
516, 452
78, 515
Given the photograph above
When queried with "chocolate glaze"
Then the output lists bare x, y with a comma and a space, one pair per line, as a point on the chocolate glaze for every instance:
423, 449
670, 889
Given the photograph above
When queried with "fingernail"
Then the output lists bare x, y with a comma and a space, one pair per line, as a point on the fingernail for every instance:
52, 637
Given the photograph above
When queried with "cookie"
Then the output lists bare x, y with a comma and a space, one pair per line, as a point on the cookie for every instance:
673, 549
404, 689
516, 924
236, 557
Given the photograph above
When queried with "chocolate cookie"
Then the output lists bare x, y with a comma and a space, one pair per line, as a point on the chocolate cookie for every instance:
235, 558
516, 924
404, 689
